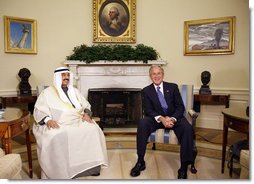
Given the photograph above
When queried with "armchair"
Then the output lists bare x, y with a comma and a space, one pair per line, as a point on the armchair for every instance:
166, 136
10, 166
244, 162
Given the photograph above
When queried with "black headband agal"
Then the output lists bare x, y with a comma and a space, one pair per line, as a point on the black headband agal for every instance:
61, 70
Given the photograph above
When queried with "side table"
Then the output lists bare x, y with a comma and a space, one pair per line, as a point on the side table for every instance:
17, 122
12, 100
3, 129
214, 99
236, 119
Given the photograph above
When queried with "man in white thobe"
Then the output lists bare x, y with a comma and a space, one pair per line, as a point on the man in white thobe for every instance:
69, 142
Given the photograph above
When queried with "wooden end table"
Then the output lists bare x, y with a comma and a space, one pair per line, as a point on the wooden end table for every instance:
236, 119
15, 122
12, 100
213, 99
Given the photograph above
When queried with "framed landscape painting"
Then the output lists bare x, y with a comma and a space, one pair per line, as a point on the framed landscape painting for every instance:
209, 36
20, 35
114, 21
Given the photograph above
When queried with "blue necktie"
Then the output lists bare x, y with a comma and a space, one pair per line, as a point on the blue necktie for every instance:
163, 102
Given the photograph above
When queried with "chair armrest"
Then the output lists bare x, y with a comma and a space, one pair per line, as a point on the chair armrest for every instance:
193, 114
96, 119
244, 162
1, 153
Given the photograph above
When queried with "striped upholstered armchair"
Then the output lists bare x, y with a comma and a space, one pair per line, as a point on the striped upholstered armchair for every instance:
166, 136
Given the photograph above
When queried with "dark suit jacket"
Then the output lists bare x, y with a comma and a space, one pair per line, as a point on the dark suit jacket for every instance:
173, 98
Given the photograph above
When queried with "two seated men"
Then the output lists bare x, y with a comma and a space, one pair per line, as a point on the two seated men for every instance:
70, 142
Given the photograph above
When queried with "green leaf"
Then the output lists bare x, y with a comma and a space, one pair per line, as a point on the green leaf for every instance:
116, 52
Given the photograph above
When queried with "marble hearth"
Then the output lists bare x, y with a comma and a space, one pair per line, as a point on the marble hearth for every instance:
105, 74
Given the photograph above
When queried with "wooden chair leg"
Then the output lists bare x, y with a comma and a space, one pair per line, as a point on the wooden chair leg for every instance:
154, 146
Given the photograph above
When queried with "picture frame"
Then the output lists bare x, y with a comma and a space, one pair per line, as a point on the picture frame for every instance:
114, 21
209, 36
20, 35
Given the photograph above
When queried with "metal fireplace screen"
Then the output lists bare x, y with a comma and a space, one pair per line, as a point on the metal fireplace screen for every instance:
116, 107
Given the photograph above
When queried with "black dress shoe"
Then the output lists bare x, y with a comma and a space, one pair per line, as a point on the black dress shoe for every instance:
96, 174
137, 169
182, 174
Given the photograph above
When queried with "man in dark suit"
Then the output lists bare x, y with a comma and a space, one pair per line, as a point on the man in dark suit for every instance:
163, 108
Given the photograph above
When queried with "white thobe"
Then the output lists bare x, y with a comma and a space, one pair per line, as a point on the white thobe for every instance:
74, 147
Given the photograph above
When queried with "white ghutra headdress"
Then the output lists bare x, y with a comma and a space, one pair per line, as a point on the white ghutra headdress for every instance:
58, 85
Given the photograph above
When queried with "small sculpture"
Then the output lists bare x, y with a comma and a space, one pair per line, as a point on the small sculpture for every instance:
205, 78
24, 86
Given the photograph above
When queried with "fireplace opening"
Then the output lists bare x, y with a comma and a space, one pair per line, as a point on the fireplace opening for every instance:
116, 107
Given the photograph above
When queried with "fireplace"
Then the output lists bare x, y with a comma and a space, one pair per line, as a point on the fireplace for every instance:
116, 107
114, 89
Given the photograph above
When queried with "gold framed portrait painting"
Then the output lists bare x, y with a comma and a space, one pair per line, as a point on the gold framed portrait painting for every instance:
114, 21
209, 36
20, 35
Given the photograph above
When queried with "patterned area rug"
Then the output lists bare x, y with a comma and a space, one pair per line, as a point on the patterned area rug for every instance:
215, 136
160, 165
165, 160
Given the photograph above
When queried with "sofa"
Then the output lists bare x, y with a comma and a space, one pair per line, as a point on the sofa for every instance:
244, 162
10, 166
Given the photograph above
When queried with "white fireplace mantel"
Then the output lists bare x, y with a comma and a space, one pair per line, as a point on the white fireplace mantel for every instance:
111, 74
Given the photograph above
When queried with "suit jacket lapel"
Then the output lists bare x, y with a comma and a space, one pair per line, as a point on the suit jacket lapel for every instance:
154, 95
166, 92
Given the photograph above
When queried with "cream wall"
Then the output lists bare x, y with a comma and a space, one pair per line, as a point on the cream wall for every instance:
64, 24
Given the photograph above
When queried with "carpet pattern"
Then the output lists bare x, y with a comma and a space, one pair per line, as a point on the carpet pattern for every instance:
160, 165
